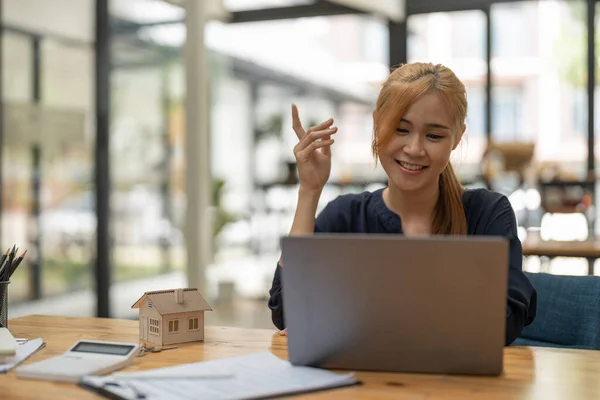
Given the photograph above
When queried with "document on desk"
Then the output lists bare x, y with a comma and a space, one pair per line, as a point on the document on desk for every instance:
24, 351
256, 376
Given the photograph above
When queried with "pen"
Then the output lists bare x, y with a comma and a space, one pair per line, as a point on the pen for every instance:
191, 375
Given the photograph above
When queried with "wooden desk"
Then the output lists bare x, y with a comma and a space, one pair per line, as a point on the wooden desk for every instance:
530, 373
589, 249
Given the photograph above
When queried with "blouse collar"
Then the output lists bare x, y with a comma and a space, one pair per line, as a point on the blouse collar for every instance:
389, 219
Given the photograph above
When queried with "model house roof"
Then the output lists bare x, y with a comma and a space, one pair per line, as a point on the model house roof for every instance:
175, 301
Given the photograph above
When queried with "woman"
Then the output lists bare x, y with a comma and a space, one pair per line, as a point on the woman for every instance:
418, 120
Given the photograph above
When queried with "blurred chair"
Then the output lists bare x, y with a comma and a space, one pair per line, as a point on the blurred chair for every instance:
506, 157
568, 312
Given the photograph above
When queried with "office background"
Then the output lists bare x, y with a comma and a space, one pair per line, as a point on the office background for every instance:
102, 181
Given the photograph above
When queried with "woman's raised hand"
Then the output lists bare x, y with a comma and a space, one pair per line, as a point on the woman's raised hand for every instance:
313, 152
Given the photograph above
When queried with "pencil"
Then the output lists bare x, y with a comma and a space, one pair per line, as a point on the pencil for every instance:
2, 266
15, 264
11, 257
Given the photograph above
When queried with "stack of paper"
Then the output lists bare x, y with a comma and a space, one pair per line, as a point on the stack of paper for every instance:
23, 351
257, 376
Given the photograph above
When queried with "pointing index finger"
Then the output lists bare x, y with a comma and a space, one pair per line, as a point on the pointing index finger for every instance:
296, 124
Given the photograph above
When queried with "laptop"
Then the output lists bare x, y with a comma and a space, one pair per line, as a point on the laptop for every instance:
395, 303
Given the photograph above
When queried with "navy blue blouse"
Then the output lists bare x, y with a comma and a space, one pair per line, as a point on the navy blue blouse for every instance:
487, 213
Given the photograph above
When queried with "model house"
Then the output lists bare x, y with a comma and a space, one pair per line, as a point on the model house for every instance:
172, 316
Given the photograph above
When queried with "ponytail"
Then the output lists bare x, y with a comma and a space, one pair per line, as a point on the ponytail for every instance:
449, 218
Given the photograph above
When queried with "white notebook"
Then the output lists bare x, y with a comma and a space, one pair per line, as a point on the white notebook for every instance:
256, 376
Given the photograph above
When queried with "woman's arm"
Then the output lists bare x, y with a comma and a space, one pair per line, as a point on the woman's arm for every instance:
313, 158
304, 223
335, 217
521, 295
276, 300
304, 217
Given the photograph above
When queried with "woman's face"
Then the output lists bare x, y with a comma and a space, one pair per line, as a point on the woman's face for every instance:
420, 149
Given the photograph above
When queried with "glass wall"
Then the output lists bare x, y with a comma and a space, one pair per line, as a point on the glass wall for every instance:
48, 142
68, 220
329, 67
539, 76
141, 175
539, 54
147, 158
597, 90
16, 178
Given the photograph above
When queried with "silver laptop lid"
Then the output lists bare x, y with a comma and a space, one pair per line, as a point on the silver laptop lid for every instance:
393, 303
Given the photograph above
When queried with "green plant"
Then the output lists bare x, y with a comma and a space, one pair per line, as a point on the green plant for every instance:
273, 126
222, 217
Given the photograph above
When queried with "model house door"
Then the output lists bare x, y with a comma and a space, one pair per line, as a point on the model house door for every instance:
144, 328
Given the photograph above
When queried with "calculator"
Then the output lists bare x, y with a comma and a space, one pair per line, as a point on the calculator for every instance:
86, 357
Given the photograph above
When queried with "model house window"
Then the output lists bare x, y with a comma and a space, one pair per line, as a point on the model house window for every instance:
193, 324
154, 326
149, 303
174, 326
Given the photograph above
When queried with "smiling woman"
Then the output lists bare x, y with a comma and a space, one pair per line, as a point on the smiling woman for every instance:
419, 120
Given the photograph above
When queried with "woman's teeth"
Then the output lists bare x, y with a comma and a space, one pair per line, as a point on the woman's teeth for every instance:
411, 167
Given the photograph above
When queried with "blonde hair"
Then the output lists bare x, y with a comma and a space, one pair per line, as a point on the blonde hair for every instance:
402, 88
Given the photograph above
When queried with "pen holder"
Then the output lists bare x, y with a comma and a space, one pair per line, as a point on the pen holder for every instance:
4, 304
